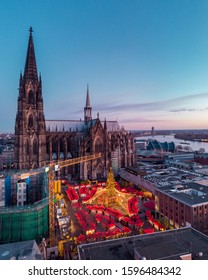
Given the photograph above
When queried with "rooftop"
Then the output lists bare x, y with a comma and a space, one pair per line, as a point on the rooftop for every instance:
190, 193
169, 245
65, 125
25, 250
77, 125
171, 176
170, 250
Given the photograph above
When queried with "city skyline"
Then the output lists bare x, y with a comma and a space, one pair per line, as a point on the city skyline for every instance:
146, 62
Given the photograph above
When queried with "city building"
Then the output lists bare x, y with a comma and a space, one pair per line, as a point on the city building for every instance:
21, 193
178, 244
6, 151
179, 157
183, 205
15, 190
151, 177
39, 141
140, 144
23, 207
7, 157
181, 160
1, 161
24, 250
137, 179
154, 144
21, 223
181, 196
151, 156
201, 158
2, 191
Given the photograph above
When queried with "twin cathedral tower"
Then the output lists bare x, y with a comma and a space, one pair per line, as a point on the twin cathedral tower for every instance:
39, 141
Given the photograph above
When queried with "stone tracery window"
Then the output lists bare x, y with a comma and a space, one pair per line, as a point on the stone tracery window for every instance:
27, 147
31, 99
88, 147
30, 121
35, 147
98, 146
99, 172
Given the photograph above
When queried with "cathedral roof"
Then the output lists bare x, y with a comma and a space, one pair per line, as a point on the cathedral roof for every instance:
65, 125
78, 126
111, 125
91, 123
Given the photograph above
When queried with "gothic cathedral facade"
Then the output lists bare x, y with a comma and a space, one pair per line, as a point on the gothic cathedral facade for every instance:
39, 141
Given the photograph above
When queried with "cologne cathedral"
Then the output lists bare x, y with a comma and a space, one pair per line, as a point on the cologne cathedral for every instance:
39, 141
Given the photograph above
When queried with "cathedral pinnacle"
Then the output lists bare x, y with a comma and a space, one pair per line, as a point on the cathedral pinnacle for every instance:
88, 97
87, 108
30, 72
105, 124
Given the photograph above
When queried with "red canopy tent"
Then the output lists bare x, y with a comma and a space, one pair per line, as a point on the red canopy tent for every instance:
150, 204
148, 230
81, 238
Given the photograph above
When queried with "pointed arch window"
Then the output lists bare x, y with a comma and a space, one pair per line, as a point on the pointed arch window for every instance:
55, 145
98, 146
35, 147
99, 172
31, 97
30, 121
62, 145
88, 147
48, 147
88, 150
27, 148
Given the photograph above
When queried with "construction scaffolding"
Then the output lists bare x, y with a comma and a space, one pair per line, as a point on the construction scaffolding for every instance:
24, 223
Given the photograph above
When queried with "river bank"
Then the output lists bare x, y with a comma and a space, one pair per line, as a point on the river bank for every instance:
194, 145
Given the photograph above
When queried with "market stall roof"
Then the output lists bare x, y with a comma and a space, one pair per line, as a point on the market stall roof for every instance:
150, 204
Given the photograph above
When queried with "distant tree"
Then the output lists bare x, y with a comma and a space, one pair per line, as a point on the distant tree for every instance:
179, 147
201, 150
187, 148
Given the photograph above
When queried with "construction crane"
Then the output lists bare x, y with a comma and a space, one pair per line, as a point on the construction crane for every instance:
51, 169
51, 174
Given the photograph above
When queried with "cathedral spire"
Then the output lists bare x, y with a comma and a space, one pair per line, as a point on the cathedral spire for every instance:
88, 97
105, 124
87, 108
30, 72
30, 129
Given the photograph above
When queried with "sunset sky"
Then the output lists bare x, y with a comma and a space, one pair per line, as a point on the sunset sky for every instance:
146, 61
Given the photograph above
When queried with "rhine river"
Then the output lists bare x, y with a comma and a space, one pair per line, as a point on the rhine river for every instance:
194, 145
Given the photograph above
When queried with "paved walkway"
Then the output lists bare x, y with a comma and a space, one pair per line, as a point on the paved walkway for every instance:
75, 227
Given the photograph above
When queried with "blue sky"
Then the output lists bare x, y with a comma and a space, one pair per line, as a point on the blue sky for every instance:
146, 61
